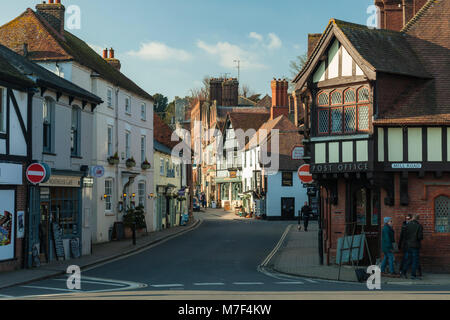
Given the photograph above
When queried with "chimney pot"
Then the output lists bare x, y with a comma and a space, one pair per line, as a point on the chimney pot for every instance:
105, 54
111, 53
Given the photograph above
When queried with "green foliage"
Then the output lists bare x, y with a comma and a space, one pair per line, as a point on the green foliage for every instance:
135, 215
161, 102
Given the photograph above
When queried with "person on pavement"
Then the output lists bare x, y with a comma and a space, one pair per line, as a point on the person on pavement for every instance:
387, 246
305, 213
402, 245
414, 236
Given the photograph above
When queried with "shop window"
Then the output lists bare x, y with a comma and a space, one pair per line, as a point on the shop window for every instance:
287, 179
65, 209
225, 191
108, 194
442, 214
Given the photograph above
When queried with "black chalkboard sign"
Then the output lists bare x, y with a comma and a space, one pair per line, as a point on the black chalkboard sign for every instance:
75, 248
57, 238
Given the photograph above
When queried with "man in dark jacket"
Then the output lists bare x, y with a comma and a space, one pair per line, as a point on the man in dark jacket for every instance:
402, 245
387, 246
306, 214
414, 236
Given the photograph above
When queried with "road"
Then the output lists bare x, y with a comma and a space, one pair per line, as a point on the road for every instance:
218, 260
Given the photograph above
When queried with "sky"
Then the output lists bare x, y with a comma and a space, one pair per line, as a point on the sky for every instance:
169, 46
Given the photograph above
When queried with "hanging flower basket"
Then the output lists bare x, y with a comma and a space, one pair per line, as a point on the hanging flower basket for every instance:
146, 165
114, 160
131, 163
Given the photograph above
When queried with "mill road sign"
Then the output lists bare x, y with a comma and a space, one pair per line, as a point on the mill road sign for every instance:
304, 174
36, 173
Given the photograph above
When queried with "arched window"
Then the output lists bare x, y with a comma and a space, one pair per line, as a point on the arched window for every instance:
48, 111
442, 214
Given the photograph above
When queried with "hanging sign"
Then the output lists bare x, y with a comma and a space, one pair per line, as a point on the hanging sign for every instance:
98, 171
298, 153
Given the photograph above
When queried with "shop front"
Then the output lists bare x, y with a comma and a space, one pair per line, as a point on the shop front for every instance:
12, 224
55, 208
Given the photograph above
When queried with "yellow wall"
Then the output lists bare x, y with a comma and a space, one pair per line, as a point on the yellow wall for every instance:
395, 141
320, 152
415, 144
434, 144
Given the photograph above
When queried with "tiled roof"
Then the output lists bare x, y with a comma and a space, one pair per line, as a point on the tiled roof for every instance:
265, 102
428, 102
9, 74
243, 101
288, 139
386, 50
45, 44
162, 132
43, 77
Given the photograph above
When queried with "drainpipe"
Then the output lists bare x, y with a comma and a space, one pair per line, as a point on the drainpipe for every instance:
116, 125
404, 12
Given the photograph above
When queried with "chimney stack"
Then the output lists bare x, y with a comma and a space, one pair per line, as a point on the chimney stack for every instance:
215, 90
111, 60
313, 39
395, 14
53, 12
280, 102
230, 92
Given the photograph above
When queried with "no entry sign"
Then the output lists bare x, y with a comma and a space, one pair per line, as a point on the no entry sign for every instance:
36, 173
304, 174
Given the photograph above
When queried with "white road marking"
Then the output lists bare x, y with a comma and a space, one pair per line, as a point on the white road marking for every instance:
277, 247
95, 282
5, 296
167, 285
310, 281
48, 288
298, 282
210, 284
247, 283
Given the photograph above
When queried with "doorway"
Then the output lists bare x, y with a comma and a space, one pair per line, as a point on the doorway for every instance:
44, 232
287, 208
363, 215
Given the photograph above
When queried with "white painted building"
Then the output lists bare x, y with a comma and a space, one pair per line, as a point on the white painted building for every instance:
123, 124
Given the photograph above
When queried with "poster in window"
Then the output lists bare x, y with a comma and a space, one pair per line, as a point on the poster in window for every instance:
7, 225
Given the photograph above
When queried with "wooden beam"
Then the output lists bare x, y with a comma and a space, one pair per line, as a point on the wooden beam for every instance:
43, 90
58, 96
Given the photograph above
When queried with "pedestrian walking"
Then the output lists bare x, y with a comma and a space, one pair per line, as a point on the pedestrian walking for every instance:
305, 214
387, 246
414, 237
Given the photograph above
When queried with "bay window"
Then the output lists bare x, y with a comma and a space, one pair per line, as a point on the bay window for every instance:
343, 112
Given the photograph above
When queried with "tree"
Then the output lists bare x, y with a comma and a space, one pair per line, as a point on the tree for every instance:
201, 93
297, 64
161, 103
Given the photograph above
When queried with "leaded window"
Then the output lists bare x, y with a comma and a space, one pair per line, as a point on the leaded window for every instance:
442, 214
2, 110
343, 111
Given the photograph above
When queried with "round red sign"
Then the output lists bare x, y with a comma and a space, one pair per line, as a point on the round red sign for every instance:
36, 173
304, 174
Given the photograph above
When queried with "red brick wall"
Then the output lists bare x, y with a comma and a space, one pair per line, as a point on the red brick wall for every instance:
435, 253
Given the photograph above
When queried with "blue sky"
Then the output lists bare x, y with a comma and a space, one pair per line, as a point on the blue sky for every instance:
169, 46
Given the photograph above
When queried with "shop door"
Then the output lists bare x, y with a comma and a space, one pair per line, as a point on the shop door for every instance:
288, 208
365, 206
44, 232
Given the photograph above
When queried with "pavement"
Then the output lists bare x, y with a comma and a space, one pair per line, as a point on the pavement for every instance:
297, 255
101, 253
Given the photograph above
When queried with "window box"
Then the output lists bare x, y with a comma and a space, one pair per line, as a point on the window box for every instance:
131, 163
114, 160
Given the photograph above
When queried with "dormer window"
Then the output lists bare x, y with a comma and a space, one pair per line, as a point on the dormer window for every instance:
343, 112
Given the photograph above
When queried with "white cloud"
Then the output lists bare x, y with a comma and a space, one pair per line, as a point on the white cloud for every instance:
228, 53
275, 41
256, 36
160, 52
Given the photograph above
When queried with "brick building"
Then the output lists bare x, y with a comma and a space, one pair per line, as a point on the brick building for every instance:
375, 107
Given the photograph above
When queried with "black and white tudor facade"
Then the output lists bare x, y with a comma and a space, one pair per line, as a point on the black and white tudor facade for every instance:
43, 118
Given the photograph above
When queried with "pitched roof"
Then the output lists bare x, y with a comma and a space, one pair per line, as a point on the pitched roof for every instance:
265, 102
375, 50
243, 101
45, 44
289, 137
162, 133
428, 34
36, 75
